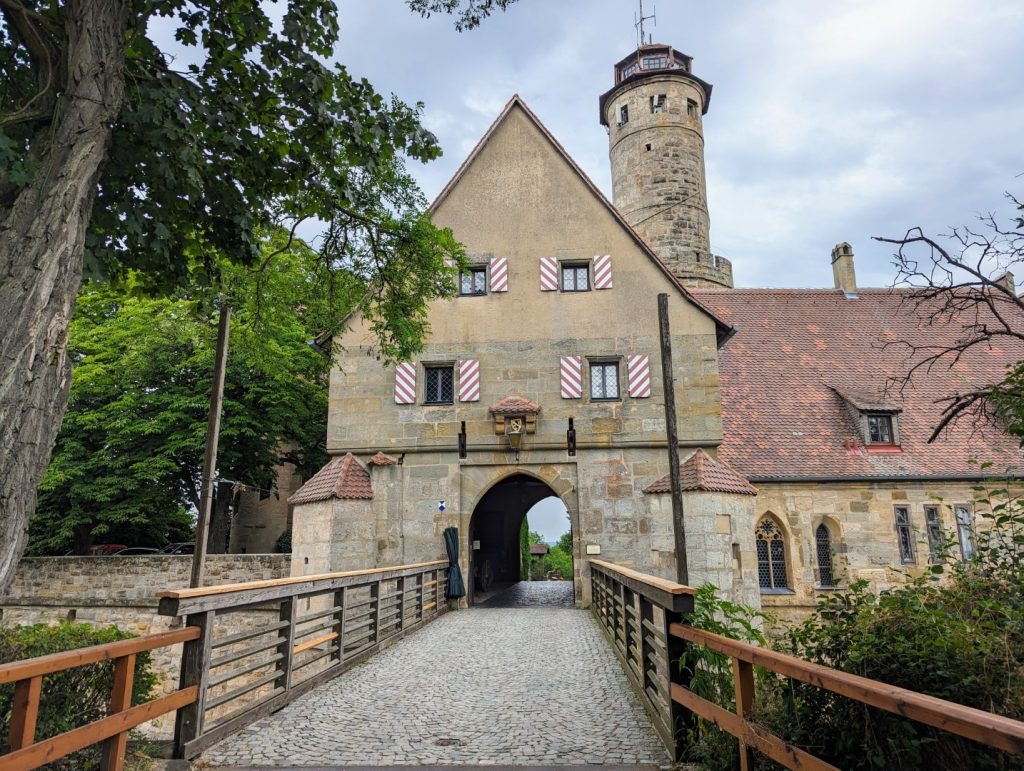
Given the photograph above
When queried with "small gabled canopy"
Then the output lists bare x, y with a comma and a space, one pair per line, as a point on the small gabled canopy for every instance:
343, 478
515, 405
702, 472
382, 459
723, 331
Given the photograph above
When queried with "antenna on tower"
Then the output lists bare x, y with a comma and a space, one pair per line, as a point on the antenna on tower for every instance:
639, 24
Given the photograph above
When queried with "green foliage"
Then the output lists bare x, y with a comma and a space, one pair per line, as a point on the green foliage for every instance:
560, 561
957, 634
243, 127
565, 542
283, 544
127, 461
470, 12
73, 697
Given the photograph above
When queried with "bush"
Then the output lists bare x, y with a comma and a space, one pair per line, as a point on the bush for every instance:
559, 561
283, 544
957, 634
73, 697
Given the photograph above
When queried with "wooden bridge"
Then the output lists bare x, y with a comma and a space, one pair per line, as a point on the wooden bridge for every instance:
250, 650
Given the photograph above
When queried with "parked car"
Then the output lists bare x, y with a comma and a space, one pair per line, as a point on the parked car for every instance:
136, 551
105, 549
179, 548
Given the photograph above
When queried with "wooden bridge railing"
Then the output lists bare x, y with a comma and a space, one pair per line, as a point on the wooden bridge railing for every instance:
27, 676
623, 601
261, 645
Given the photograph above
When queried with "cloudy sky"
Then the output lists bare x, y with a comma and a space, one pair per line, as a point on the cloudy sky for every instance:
829, 121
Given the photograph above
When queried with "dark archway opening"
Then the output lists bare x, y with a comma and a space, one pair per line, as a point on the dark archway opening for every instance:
495, 555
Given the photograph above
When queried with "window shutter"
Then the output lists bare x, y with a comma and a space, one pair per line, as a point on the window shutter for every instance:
603, 272
638, 373
499, 274
469, 380
548, 274
405, 383
572, 377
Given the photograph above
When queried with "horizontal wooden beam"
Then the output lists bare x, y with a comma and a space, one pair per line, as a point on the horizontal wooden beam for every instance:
182, 602
59, 746
985, 727
667, 594
56, 662
749, 733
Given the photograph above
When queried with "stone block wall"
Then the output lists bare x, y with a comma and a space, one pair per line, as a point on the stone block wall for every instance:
121, 591
861, 518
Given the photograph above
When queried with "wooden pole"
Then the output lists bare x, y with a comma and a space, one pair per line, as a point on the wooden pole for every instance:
671, 431
210, 457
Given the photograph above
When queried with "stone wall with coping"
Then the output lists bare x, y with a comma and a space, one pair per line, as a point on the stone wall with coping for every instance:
121, 591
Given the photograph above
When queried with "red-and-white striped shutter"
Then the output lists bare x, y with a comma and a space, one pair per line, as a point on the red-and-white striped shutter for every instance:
405, 383
603, 272
638, 373
572, 377
548, 274
469, 380
499, 274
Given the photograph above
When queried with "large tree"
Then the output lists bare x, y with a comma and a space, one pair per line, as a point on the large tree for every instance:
117, 156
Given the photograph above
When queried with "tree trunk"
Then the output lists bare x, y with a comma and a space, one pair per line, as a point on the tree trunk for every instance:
42, 237
220, 522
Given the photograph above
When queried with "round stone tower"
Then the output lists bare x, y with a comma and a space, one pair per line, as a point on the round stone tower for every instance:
654, 116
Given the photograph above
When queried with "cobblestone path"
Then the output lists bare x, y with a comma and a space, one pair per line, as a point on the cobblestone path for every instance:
491, 685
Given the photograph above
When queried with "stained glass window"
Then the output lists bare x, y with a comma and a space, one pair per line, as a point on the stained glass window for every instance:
439, 385
604, 380
771, 556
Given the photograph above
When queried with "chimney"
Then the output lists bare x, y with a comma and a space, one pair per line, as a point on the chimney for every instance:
842, 269
1006, 282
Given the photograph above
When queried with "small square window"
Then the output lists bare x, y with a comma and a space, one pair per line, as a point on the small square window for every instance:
575, 277
691, 109
623, 114
604, 380
880, 429
439, 385
658, 103
473, 281
905, 535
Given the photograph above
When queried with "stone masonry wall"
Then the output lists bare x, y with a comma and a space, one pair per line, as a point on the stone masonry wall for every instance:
121, 591
861, 519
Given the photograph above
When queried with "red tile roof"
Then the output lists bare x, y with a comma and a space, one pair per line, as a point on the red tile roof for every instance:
343, 477
702, 472
798, 352
380, 459
515, 405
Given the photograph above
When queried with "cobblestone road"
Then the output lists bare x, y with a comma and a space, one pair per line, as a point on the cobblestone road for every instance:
492, 685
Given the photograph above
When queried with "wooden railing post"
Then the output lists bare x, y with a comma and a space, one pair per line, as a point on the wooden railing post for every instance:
400, 589
743, 678
120, 700
678, 716
440, 590
25, 711
375, 611
195, 671
341, 602
289, 610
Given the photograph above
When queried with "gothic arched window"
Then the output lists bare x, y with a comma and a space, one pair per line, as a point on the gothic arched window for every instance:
771, 555
823, 550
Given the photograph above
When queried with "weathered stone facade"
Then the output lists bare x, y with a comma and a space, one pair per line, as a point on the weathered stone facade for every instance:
656, 145
518, 338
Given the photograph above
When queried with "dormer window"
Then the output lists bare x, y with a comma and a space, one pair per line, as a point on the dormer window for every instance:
880, 429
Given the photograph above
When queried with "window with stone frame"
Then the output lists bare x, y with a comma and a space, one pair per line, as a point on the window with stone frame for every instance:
439, 384
658, 103
604, 381
771, 557
473, 281
965, 530
904, 535
823, 551
880, 428
691, 109
575, 277
623, 114
933, 523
